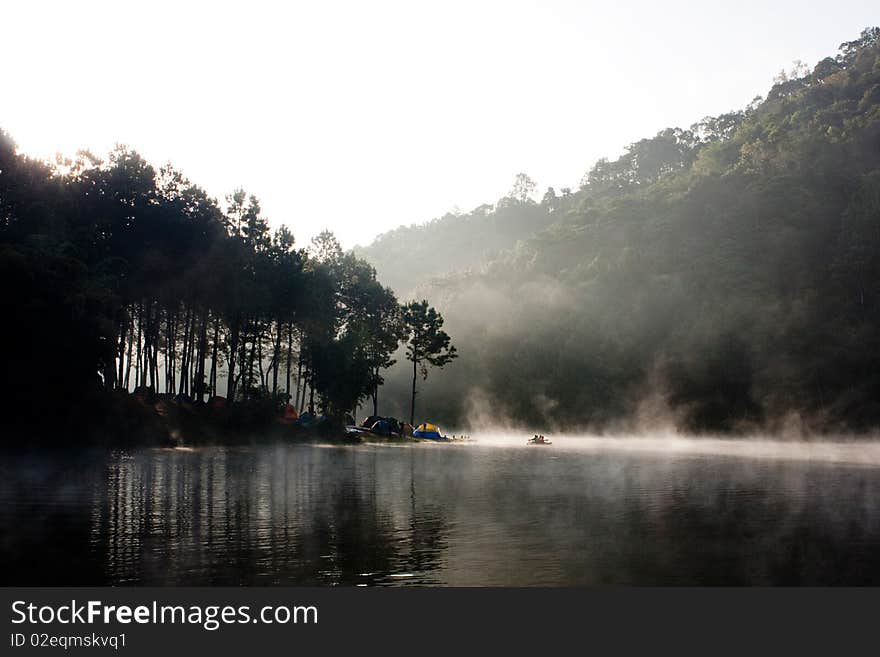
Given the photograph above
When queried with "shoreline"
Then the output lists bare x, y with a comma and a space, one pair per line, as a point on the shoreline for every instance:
123, 420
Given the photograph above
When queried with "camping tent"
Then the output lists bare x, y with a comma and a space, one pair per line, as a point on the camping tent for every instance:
370, 421
308, 419
383, 428
428, 430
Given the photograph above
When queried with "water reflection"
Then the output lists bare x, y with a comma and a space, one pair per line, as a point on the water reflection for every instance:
264, 516
461, 515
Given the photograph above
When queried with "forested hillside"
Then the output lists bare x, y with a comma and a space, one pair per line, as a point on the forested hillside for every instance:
409, 256
723, 277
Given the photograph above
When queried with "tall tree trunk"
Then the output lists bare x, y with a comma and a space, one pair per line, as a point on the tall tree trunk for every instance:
242, 363
253, 354
130, 348
123, 324
169, 352
145, 349
148, 348
170, 348
154, 360
137, 366
233, 346
190, 356
156, 326
184, 350
276, 357
299, 387
263, 383
175, 329
199, 387
412, 408
176, 353
289, 357
213, 375
197, 355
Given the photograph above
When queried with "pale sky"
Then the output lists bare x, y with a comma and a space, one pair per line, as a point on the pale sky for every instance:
362, 115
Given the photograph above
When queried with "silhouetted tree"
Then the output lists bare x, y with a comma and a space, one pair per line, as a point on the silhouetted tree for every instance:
428, 345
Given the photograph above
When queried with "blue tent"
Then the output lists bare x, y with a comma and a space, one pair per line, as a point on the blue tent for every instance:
309, 420
429, 431
383, 428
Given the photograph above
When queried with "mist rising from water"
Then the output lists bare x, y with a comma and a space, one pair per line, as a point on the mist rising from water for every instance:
828, 450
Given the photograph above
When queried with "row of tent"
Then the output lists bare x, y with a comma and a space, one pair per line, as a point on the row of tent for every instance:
390, 426
306, 419
383, 426
386, 426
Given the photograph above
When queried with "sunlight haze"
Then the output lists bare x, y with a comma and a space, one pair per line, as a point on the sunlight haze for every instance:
360, 117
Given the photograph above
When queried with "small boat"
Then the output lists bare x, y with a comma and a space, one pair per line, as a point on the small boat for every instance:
538, 440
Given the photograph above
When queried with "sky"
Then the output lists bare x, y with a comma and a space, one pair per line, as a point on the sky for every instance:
361, 116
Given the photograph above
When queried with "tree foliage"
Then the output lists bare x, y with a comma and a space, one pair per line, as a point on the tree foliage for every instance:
126, 277
427, 344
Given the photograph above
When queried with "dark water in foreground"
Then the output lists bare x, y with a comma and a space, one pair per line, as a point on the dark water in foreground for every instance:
483, 514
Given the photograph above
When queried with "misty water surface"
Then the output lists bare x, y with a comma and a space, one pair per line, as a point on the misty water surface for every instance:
580, 512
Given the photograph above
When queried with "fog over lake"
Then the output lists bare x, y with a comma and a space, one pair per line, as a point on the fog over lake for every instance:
583, 511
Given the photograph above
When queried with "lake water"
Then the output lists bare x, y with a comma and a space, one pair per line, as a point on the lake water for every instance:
584, 511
